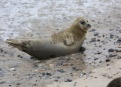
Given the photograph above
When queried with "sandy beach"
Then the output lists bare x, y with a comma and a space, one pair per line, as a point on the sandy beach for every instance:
95, 67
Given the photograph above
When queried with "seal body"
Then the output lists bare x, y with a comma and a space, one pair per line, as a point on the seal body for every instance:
60, 44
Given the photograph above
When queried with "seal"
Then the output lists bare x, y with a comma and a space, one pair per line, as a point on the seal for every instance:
62, 43
115, 82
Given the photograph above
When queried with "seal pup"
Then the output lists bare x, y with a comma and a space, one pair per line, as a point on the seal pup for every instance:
62, 43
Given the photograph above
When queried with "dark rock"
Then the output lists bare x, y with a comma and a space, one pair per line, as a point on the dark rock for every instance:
93, 40
56, 80
118, 50
61, 70
60, 63
49, 74
111, 36
43, 73
95, 58
92, 30
20, 56
119, 40
111, 50
107, 60
112, 55
68, 80
103, 36
58, 77
75, 68
98, 40
96, 34
1, 50
10, 85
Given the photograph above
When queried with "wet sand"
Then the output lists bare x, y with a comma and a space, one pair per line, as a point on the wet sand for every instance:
96, 67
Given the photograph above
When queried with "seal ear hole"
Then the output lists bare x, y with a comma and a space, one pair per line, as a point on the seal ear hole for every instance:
52, 56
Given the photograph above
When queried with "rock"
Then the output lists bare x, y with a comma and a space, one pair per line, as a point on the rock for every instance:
111, 50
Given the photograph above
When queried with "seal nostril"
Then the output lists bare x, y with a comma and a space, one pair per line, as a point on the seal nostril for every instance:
89, 25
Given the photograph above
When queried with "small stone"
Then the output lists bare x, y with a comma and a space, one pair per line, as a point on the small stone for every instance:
68, 80
43, 73
119, 40
20, 56
95, 58
118, 50
58, 77
49, 74
111, 55
98, 40
107, 60
111, 36
96, 34
92, 30
61, 70
111, 50
12, 69
75, 68
93, 40
1, 50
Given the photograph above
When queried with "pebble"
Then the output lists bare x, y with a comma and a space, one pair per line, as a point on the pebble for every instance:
107, 60
75, 68
111, 50
12, 69
96, 34
93, 40
82, 74
92, 30
47, 73
112, 55
68, 80
111, 36
61, 70
20, 56
1, 50
119, 40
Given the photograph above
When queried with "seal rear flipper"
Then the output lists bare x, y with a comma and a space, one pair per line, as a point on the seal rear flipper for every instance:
14, 43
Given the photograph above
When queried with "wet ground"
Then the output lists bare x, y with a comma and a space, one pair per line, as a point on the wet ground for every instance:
32, 18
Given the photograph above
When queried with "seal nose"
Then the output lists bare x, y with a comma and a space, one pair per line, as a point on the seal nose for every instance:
88, 25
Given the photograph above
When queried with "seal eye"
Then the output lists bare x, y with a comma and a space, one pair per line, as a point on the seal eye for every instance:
82, 22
